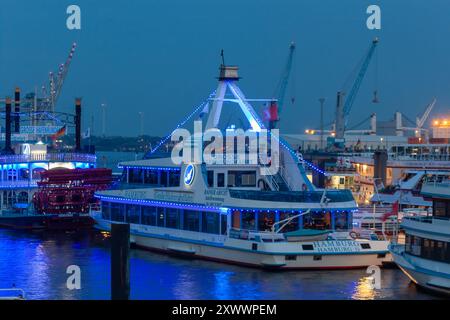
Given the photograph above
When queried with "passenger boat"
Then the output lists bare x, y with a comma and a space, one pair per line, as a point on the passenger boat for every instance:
425, 256
233, 211
40, 186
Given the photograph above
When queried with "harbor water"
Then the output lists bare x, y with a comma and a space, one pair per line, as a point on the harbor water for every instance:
37, 262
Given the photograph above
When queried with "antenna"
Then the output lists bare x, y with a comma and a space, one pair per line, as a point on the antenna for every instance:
223, 57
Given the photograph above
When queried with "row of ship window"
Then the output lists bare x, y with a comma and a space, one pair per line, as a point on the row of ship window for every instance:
213, 222
427, 248
233, 178
190, 220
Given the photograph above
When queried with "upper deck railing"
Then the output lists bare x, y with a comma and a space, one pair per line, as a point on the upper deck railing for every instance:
403, 157
51, 156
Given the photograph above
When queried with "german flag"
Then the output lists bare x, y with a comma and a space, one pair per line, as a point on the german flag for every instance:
59, 133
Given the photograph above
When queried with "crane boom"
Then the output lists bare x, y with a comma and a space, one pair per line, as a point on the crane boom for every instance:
57, 83
282, 86
421, 121
346, 108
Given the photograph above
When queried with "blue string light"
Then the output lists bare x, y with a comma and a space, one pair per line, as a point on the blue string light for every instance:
182, 123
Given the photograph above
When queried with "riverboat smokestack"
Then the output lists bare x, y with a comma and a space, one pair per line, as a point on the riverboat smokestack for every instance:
8, 148
78, 124
17, 110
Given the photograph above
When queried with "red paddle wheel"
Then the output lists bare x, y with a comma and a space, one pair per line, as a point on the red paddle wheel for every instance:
63, 191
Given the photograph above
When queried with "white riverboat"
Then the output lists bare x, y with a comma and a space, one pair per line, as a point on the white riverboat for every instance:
233, 212
425, 256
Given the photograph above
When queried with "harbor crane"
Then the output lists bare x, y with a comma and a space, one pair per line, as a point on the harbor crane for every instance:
343, 108
276, 105
420, 122
56, 82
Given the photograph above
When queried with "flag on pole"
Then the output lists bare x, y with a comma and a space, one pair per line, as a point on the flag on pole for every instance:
59, 133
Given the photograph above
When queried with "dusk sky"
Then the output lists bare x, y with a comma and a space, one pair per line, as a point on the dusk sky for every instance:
162, 57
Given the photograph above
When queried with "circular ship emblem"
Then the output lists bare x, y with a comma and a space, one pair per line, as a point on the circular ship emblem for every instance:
189, 175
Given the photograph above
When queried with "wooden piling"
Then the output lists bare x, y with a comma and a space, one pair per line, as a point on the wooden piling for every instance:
120, 261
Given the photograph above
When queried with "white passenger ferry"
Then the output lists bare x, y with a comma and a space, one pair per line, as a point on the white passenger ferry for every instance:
233, 212
425, 257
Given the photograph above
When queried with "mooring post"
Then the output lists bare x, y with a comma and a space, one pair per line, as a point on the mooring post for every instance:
120, 261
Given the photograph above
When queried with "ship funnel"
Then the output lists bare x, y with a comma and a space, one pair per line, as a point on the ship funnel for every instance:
17, 110
78, 124
8, 148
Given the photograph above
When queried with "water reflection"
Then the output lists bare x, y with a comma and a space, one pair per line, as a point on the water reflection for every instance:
37, 263
364, 289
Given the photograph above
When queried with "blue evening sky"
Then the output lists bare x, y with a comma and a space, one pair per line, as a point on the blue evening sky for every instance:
161, 57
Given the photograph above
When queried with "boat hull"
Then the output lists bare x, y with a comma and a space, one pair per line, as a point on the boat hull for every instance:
46, 222
426, 278
240, 252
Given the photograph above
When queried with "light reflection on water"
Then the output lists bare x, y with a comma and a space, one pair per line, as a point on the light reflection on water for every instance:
37, 262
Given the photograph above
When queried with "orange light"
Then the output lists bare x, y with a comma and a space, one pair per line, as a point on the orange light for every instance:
436, 122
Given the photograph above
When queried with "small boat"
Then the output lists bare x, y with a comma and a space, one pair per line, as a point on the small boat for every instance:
307, 235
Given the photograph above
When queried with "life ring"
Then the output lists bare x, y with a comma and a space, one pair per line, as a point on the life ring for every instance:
353, 235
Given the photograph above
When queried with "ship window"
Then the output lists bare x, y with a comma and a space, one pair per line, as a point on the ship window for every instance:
133, 213
248, 220
441, 208
106, 211
22, 197
317, 220
210, 178
317, 258
151, 177
191, 220
163, 181
365, 245
223, 224
210, 222
341, 220
161, 217
135, 175
265, 220
148, 215
231, 179
241, 178
290, 258
293, 224
221, 180
307, 247
117, 212
173, 218
174, 178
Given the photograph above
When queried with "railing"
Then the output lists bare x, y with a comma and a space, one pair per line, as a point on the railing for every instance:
402, 157
420, 219
60, 157
12, 294
252, 235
